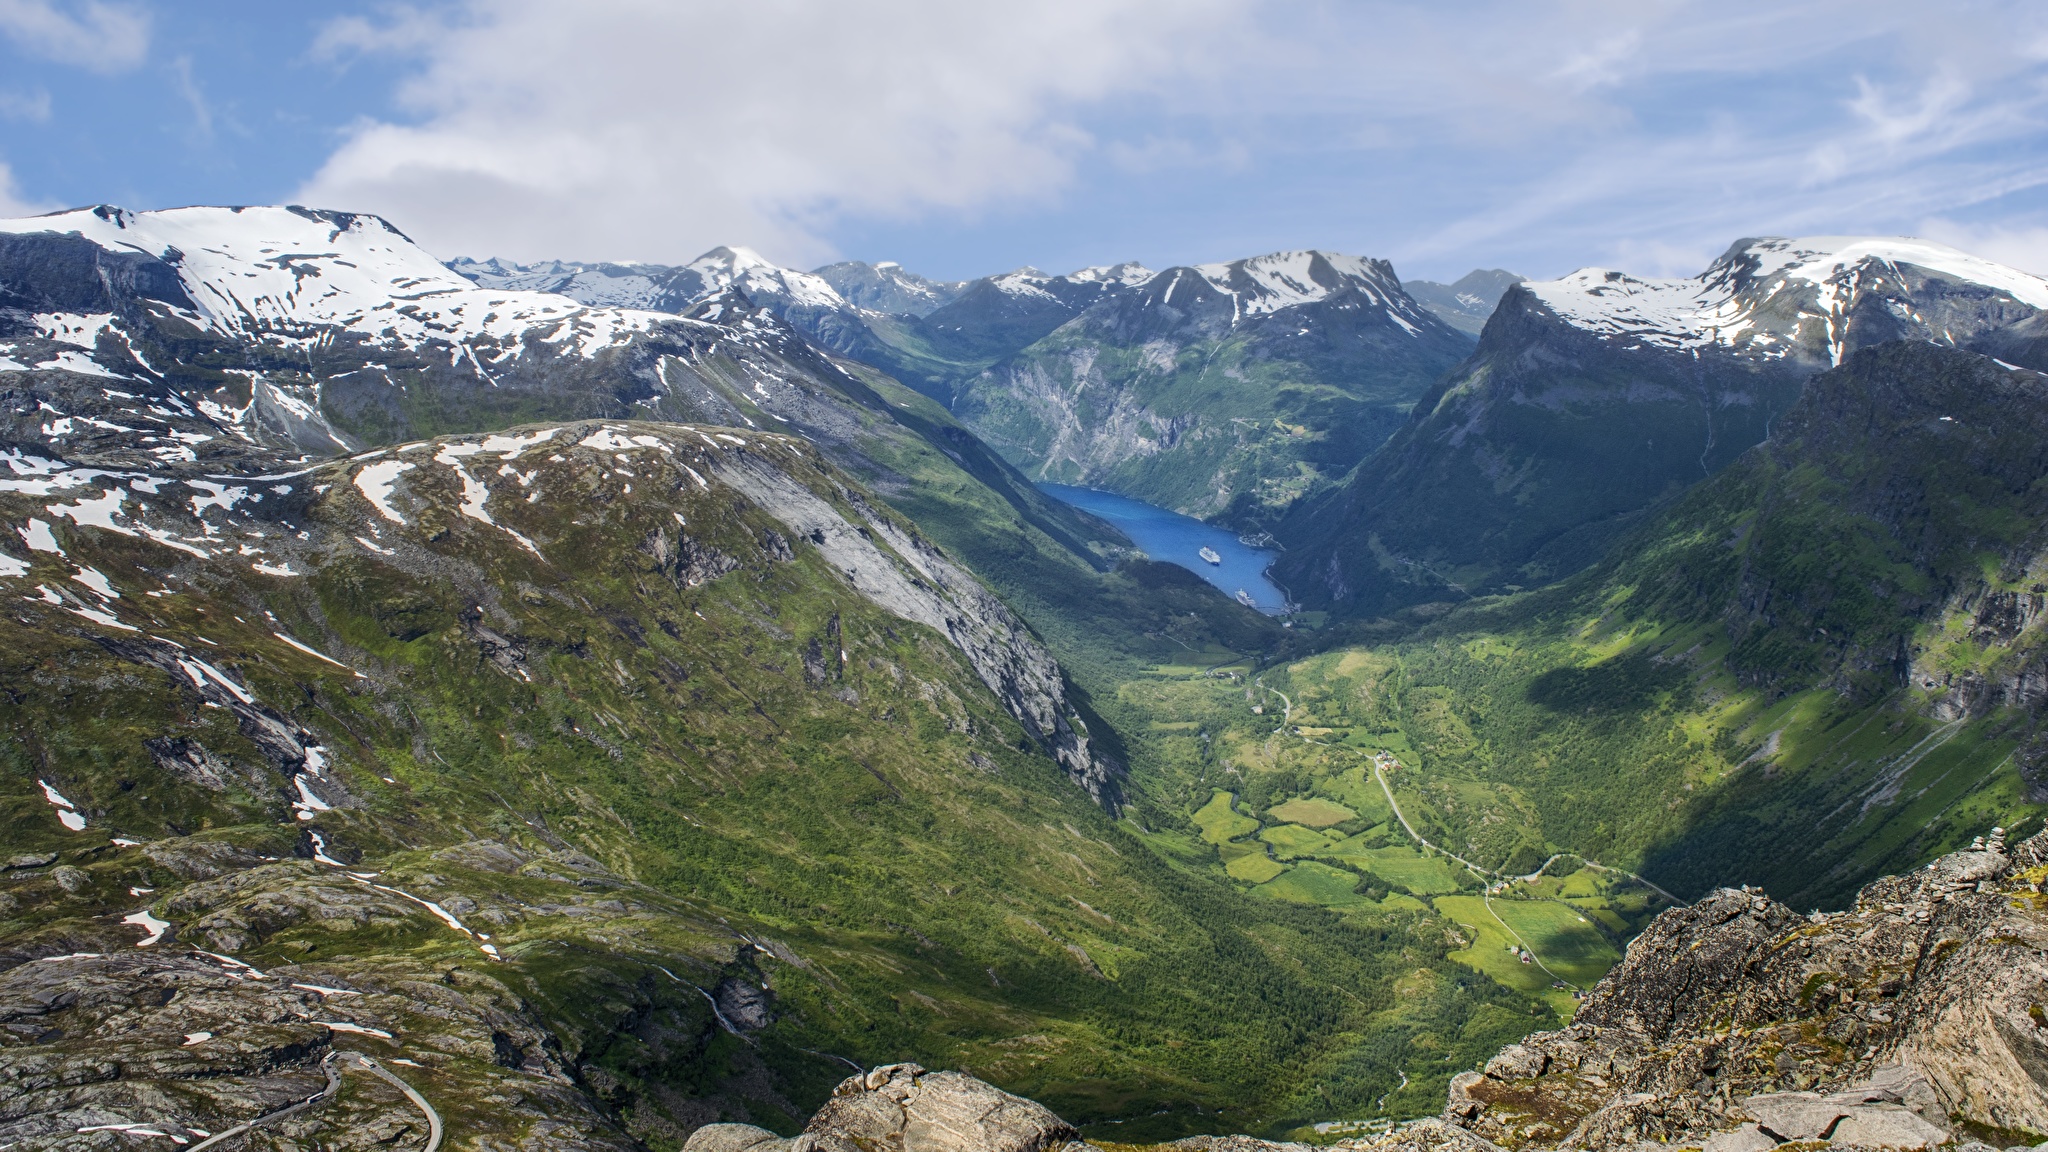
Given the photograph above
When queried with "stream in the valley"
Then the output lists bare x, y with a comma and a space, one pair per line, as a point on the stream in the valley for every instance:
1178, 539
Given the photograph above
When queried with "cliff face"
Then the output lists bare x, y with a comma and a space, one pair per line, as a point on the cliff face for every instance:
1197, 392
899, 571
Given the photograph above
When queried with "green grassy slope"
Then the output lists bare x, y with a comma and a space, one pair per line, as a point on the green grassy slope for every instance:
716, 763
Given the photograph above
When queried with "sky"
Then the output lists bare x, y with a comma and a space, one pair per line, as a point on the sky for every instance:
965, 139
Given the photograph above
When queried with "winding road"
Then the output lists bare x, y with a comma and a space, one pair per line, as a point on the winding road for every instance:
1487, 897
333, 1065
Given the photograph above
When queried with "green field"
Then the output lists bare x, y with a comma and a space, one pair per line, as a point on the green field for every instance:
1254, 867
1313, 883
1562, 937
1312, 813
1356, 789
1291, 841
1489, 953
1220, 823
1419, 874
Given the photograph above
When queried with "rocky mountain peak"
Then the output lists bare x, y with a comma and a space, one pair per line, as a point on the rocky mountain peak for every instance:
1465, 303
1812, 298
886, 286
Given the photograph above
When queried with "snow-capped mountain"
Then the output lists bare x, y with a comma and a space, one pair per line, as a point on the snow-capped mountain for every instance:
1777, 297
887, 286
1269, 283
206, 334
284, 276
1221, 390
659, 287
1592, 396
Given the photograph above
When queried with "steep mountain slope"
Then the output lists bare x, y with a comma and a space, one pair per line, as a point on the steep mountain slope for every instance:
326, 331
1466, 303
628, 774
877, 323
659, 287
1222, 391
1593, 396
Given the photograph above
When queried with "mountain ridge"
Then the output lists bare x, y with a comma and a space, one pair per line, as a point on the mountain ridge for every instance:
1593, 396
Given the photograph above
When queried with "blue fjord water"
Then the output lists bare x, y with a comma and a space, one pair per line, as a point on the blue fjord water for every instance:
1178, 539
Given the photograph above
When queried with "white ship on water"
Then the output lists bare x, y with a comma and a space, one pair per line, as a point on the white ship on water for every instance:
1245, 598
1209, 554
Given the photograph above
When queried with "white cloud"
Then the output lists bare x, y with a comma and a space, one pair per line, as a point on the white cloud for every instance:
2023, 246
11, 203
1645, 134
1672, 129
188, 90
98, 36
638, 130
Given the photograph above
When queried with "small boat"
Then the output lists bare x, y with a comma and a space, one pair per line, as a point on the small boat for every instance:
1210, 555
1245, 598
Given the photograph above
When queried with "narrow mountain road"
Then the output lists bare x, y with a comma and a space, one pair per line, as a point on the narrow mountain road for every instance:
433, 1118
327, 1093
333, 1066
1419, 838
1486, 898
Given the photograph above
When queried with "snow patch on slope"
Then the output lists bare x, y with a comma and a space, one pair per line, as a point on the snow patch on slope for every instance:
1721, 306
290, 275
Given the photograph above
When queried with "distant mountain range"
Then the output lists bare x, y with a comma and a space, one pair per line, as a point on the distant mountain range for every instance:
1591, 397
1221, 390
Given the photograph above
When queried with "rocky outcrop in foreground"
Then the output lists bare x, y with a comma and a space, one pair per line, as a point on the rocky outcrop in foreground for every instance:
1912, 1021
903, 1108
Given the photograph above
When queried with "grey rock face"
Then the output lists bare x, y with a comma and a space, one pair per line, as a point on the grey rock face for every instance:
188, 1044
902, 572
1429, 1135
1744, 1138
903, 1108
1887, 1126
734, 1138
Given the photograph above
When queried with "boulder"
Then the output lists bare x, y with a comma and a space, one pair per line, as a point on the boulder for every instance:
903, 1108
1795, 1115
1517, 1062
735, 1138
31, 859
1888, 1126
1422, 1136
1747, 1138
